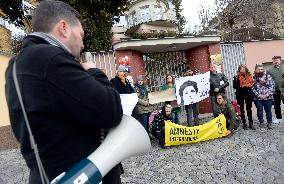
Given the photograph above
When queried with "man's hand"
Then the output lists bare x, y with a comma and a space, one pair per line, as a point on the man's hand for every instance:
88, 65
216, 90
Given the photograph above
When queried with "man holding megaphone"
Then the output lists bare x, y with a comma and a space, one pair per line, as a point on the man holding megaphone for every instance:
61, 110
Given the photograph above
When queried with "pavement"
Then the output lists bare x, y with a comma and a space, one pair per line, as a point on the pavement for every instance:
250, 156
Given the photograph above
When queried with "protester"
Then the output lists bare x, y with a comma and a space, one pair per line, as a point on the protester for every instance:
224, 107
192, 110
276, 73
68, 105
170, 84
120, 82
243, 83
263, 90
157, 127
143, 107
218, 83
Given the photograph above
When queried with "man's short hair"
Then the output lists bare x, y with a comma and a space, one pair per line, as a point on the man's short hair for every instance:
276, 57
49, 12
258, 65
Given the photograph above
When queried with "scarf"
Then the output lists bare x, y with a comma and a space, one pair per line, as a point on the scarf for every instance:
246, 81
52, 40
123, 79
142, 90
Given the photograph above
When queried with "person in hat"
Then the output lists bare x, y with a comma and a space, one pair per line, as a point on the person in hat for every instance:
120, 82
143, 107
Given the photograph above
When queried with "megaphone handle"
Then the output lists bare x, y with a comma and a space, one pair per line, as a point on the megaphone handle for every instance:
85, 172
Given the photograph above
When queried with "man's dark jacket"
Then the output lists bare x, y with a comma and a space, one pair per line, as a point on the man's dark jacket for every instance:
67, 106
215, 82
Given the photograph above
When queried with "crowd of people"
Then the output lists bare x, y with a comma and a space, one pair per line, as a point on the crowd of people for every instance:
260, 87
68, 106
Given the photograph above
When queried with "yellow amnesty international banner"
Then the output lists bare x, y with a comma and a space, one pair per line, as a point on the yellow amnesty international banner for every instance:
178, 134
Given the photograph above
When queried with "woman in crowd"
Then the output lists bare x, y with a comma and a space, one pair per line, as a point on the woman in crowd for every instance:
224, 107
157, 127
143, 108
122, 85
170, 84
120, 82
243, 83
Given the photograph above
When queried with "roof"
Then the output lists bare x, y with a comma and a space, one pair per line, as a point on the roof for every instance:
152, 45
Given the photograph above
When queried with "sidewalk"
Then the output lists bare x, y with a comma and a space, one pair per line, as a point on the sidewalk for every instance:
247, 157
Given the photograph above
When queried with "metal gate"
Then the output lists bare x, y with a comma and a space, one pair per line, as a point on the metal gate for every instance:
103, 60
158, 65
233, 56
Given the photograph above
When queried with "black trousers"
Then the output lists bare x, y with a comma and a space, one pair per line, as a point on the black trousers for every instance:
277, 104
242, 100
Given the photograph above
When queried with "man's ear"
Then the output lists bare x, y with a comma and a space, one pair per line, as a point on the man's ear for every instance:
63, 28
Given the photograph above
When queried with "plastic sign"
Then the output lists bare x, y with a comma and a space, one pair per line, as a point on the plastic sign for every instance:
124, 60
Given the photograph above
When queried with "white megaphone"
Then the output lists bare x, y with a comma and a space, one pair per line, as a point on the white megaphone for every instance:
129, 138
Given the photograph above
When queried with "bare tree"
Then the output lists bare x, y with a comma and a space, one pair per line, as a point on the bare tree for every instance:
230, 15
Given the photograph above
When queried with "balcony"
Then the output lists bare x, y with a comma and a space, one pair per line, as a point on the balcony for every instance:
150, 18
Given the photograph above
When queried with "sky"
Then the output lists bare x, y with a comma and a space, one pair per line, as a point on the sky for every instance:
191, 8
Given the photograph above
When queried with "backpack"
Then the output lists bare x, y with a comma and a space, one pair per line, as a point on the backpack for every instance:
238, 113
237, 108
152, 117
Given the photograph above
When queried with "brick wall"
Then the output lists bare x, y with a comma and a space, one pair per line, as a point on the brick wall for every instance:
5, 40
137, 64
199, 58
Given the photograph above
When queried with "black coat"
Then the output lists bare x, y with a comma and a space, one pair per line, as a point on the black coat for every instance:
215, 82
67, 106
121, 87
241, 93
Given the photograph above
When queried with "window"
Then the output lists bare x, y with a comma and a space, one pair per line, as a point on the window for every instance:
132, 19
145, 13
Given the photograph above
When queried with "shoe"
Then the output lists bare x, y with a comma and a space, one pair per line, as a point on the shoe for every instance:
252, 127
276, 121
269, 126
261, 125
245, 126
229, 133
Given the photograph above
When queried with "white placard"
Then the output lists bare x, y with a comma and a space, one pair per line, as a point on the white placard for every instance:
192, 89
128, 102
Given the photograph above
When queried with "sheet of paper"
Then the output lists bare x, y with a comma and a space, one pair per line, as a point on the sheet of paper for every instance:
128, 102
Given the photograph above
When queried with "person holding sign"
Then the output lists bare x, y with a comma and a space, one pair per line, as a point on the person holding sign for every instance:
224, 107
218, 83
170, 84
157, 127
192, 109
